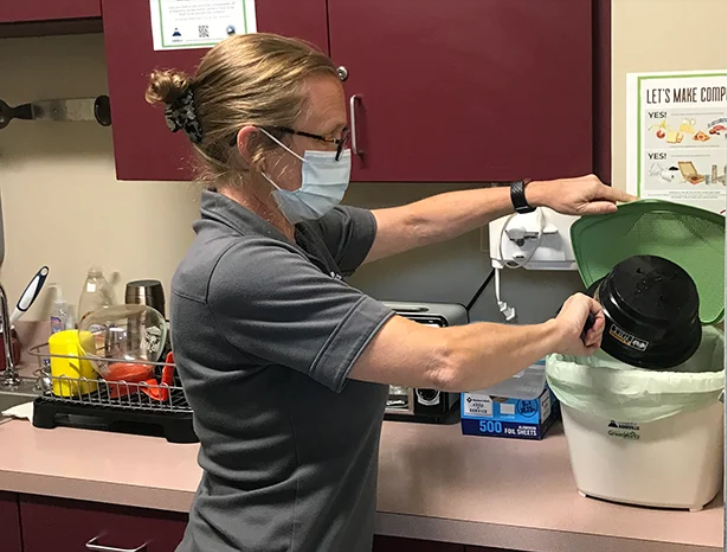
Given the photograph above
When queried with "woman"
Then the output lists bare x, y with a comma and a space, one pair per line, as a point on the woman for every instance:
284, 364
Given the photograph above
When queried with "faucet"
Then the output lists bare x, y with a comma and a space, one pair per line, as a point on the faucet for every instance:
9, 378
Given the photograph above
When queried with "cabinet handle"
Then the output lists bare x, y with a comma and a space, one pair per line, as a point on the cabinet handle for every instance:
352, 115
94, 546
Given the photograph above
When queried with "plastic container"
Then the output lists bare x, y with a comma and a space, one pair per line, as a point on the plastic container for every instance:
526, 385
644, 437
126, 333
127, 373
67, 371
96, 294
61, 316
675, 462
639, 436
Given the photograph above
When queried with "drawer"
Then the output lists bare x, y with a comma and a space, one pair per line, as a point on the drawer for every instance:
10, 523
396, 544
67, 526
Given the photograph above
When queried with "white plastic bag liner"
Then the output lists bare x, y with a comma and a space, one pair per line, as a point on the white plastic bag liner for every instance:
605, 387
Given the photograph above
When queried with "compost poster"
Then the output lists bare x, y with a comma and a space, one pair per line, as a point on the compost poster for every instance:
677, 137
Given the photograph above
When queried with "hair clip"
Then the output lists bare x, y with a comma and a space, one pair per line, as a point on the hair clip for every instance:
181, 115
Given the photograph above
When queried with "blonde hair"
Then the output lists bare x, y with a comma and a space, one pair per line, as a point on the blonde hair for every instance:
253, 79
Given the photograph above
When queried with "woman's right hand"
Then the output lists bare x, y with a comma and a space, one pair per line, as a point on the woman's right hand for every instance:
571, 321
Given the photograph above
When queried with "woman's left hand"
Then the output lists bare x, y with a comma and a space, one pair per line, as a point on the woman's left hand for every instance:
585, 195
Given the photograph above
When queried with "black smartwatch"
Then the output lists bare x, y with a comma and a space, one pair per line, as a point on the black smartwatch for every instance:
517, 196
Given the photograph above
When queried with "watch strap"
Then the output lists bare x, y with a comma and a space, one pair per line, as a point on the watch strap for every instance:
517, 196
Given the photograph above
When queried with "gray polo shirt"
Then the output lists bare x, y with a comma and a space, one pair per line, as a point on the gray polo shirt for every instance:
265, 333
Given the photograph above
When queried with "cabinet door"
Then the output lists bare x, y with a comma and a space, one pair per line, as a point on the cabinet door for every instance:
467, 90
10, 523
143, 146
48, 10
395, 544
66, 526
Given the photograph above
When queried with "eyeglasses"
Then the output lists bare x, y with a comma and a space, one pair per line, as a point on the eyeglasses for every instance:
340, 143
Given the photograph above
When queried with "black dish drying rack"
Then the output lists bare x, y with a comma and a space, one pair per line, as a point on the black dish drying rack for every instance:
156, 409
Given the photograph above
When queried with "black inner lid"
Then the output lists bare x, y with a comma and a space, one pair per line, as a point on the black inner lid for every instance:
654, 288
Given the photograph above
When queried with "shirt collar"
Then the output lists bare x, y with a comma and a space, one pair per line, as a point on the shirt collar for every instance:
220, 208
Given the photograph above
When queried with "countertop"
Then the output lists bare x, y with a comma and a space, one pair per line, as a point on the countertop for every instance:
434, 484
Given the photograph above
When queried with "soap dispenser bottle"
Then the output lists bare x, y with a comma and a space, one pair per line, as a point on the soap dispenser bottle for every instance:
61, 316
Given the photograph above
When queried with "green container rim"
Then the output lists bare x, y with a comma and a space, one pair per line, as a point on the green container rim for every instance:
582, 245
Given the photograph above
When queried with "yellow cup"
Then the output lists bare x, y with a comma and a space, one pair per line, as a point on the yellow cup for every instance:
67, 371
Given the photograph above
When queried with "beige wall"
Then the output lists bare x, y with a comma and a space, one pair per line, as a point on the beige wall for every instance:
661, 35
63, 206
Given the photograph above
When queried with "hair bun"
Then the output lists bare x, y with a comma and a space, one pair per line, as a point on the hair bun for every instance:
166, 86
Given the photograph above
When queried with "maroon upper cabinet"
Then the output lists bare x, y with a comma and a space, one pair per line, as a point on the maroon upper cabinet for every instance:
143, 146
10, 523
16, 11
466, 90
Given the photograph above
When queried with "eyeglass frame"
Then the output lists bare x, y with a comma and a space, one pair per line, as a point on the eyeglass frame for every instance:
339, 142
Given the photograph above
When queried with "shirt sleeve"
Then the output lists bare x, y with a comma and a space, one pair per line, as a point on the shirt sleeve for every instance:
272, 304
348, 233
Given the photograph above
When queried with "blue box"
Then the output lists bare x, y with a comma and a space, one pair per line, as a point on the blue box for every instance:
511, 418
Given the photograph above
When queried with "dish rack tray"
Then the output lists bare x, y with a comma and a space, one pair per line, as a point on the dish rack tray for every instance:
156, 409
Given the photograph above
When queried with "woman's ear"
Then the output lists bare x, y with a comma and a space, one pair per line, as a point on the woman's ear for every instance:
247, 140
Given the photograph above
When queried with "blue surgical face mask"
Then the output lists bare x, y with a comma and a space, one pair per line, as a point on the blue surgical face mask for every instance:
324, 182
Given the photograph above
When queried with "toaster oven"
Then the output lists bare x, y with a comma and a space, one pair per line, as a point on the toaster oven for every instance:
419, 404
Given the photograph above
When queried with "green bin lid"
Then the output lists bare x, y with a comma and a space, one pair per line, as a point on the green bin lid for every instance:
691, 237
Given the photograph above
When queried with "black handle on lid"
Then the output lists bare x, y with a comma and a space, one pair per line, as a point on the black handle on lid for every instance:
590, 321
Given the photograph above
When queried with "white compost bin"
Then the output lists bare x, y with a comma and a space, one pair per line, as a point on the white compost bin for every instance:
644, 437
